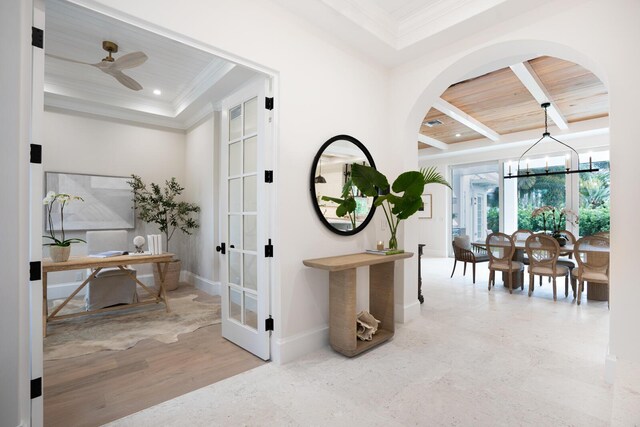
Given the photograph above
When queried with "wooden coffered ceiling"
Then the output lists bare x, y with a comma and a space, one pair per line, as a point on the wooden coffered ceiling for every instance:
508, 100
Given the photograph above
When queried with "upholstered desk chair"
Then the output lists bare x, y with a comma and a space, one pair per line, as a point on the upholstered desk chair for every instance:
500, 248
463, 251
543, 252
592, 255
111, 286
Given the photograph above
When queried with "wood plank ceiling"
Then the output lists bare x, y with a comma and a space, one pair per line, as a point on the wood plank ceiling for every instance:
500, 101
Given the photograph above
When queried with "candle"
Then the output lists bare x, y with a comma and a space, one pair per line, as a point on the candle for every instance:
566, 162
590, 166
527, 165
380, 245
509, 168
546, 164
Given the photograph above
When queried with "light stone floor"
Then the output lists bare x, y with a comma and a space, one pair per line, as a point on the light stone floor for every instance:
473, 358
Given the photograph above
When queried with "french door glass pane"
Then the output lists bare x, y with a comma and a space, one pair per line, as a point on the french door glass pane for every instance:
251, 116
250, 199
475, 201
250, 311
250, 155
235, 123
235, 231
235, 159
234, 268
249, 232
235, 301
250, 272
234, 195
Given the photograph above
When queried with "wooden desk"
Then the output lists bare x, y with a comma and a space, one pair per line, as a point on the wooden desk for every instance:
342, 298
80, 263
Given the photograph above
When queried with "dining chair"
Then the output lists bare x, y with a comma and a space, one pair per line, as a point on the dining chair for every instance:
520, 236
605, 234
592, 255
500, 248
571, 239
543, 252
464, 252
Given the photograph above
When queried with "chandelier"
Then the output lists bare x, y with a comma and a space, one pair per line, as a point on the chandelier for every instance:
524, 173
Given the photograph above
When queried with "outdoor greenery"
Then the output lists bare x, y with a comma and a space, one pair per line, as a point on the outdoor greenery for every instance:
550, 190
159, 206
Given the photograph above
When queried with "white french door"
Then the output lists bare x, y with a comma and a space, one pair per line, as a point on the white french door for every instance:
244, 208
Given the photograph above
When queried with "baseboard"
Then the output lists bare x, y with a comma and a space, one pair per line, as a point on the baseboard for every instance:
406, 313
291, 348
63, 290
205, 285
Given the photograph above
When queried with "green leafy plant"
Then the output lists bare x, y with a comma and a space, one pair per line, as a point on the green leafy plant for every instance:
50, 201
401, 199
347, 204
159, 206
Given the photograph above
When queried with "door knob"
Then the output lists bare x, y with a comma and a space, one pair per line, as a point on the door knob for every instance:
221, 248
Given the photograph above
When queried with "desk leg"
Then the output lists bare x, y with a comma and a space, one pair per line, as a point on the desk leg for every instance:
45, 307
381, 290
162, 291
342, 311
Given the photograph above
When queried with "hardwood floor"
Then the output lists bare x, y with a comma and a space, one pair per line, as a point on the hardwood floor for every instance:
97, 388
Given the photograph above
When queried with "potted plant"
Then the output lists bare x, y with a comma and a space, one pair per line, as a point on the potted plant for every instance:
558, 223
399, 201
159, 206
59, 249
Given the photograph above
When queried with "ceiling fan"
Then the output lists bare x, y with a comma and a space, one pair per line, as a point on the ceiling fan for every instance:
114, 67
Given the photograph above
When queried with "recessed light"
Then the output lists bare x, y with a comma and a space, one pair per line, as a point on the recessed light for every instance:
458, 135
157, 92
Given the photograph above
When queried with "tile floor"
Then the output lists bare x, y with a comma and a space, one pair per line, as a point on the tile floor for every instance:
473, 357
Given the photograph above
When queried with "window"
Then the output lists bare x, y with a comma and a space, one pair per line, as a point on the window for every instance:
594, 195
475, 202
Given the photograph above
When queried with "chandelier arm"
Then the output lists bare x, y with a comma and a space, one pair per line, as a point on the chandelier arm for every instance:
569, 147
520, 158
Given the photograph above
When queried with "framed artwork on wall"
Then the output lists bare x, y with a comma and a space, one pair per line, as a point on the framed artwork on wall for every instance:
108, 201
425, 210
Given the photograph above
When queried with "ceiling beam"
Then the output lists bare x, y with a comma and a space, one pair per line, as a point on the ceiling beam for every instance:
531, 81
462, 117
432, 142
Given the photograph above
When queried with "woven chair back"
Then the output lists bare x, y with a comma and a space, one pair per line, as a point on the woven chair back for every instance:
520, 235
592, 253
499, 247
542, 250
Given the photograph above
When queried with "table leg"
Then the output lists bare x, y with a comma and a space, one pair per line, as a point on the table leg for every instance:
162, 292
381, 294
342, 311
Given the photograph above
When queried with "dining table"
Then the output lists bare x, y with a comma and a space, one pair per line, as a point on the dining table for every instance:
595, 291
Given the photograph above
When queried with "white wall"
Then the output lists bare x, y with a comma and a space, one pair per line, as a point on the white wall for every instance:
201, 177
80, 144
602, 37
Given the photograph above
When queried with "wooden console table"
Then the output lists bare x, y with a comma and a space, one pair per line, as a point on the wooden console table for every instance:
342, 298
96, 264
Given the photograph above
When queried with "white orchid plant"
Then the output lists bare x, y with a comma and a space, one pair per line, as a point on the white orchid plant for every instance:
556, 222
49, 201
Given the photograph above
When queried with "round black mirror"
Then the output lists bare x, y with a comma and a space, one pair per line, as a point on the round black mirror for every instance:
330, 185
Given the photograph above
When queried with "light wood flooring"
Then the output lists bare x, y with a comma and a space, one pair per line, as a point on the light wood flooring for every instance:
97, 388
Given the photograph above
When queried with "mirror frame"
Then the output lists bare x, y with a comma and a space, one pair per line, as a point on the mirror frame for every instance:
312, 185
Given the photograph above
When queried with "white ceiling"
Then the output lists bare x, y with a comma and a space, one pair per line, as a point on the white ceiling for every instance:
191, 80
394, 31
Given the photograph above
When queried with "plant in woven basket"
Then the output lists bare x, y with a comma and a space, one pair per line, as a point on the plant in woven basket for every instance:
160, 206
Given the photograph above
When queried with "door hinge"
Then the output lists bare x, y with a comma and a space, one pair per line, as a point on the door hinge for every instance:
268, 250
268, 177
268, 324
37, 37
35, 270
36, 387
268, 103
35, 153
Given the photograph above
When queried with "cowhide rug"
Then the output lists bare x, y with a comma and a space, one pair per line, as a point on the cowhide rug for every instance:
120, 330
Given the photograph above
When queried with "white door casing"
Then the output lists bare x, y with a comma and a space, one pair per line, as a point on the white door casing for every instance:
245, 200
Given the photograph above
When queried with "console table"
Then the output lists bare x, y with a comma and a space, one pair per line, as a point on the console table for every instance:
342, 298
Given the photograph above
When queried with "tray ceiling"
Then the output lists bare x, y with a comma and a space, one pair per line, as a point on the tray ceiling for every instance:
189, 79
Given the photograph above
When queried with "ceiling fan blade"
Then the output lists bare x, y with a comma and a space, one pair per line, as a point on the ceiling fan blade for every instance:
129, 60
68, 60
125, 80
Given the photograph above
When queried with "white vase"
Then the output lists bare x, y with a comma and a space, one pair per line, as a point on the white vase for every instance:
59, 253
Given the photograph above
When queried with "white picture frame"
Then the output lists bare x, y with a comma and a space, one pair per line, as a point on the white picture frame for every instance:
426, 211
108, 201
